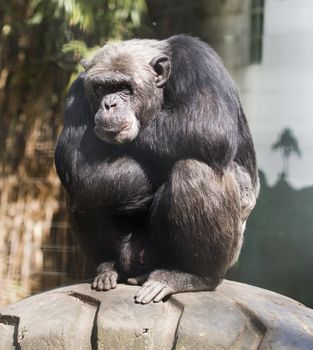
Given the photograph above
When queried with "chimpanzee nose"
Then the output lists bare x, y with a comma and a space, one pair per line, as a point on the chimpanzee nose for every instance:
109, 105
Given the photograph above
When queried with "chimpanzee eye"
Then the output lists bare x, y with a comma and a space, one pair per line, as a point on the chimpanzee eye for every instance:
99, 89
103, 89
125, 89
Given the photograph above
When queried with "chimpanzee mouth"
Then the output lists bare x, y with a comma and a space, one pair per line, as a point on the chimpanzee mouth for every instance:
106, 133
112, 131
121, 134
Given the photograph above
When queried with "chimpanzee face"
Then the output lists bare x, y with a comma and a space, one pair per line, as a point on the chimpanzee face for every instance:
115, 118
125, 90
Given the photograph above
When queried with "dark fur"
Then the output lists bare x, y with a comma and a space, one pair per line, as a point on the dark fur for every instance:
170, 203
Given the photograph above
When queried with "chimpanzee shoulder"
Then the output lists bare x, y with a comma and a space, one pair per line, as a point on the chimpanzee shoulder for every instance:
196, 67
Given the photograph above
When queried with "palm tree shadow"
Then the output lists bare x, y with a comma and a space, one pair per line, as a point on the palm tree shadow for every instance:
277, 253
287, 144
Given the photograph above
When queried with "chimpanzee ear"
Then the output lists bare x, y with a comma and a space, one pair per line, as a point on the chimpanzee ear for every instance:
162, 67
85, 63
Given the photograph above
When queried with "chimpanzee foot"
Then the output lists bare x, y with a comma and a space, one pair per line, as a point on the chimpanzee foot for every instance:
162, 283
153, 291
106, 278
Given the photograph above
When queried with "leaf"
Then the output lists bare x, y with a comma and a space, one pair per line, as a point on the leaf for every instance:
36, 19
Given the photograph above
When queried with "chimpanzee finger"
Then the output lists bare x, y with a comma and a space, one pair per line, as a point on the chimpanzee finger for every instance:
113, 280
145, 294
107, 283
164, 292
94, 283
99, 283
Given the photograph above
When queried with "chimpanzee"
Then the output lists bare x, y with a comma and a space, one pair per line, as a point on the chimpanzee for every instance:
159, 166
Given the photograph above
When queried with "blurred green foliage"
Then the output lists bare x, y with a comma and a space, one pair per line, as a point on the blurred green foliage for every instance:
63, 31
41, 44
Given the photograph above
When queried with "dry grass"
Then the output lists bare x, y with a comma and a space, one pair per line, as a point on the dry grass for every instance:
37, 248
